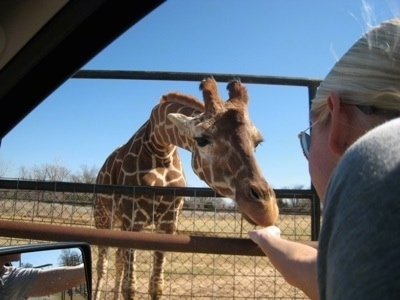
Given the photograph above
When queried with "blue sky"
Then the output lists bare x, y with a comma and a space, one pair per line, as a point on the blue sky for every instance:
40, 258
84, 120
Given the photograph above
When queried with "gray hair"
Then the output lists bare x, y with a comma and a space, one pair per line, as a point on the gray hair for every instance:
368, 74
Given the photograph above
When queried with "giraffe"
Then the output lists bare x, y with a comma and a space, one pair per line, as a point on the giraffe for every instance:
221, 138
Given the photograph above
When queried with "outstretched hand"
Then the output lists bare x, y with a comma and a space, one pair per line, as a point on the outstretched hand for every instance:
259, 235
294, 260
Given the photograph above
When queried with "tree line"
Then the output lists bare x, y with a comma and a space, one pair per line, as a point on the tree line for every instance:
53, 172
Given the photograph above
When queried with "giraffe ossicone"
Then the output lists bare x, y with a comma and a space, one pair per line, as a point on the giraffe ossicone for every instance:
222, 140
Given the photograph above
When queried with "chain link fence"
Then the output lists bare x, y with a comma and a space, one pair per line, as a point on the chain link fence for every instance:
187, 275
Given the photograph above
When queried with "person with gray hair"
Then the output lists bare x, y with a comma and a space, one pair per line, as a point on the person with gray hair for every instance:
354, 164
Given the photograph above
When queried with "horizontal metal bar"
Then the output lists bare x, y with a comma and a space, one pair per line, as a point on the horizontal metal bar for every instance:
129, 239
61, 186
193, 76
133, 240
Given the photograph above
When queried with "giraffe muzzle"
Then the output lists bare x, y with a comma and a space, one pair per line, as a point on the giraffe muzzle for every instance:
259, 207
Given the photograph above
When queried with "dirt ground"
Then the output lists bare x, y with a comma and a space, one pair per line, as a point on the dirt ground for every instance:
206, 276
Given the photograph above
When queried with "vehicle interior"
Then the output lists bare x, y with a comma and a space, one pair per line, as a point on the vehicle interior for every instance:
42, 44
56, 39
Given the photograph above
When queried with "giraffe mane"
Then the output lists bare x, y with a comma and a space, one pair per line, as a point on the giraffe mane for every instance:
183, 99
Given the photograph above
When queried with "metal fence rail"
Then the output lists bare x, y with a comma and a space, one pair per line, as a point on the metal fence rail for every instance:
75, 187
195, 76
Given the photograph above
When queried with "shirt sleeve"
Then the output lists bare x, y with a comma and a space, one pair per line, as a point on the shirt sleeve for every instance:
359, 245
16, 282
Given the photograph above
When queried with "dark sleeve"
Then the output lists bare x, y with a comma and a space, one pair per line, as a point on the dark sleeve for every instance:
359, 248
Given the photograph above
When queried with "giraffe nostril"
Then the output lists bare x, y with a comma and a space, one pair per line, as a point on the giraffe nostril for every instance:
255, 193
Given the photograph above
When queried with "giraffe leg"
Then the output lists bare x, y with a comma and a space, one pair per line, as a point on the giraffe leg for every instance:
167, 223
156, 284
119, 268
129, 279
101, 269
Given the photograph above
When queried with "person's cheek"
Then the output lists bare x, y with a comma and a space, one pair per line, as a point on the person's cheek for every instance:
315, 170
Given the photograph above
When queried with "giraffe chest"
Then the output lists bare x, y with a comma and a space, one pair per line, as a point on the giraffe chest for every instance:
149, 168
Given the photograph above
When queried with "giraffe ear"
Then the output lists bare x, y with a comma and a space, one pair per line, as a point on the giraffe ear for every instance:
181, 121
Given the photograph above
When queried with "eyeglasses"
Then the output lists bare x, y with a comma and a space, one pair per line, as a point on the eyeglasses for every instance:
305, 140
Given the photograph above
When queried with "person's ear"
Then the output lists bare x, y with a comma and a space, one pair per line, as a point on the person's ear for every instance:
338, 132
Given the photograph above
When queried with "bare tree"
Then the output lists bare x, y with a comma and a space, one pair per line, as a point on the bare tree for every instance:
5, 167
85, 175
50, 172
69, 257
25, 173
53, 172
26, 265
57, 172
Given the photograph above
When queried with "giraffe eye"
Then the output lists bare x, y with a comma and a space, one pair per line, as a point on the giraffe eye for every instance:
257, 143
202, 141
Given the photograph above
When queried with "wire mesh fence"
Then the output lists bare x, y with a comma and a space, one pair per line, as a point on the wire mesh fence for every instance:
187, 275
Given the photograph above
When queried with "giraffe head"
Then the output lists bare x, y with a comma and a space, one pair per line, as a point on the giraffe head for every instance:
223, 143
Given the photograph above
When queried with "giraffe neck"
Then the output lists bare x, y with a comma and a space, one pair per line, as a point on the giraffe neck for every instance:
164, 136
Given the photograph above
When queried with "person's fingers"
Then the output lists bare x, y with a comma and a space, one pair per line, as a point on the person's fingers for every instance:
258, 234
